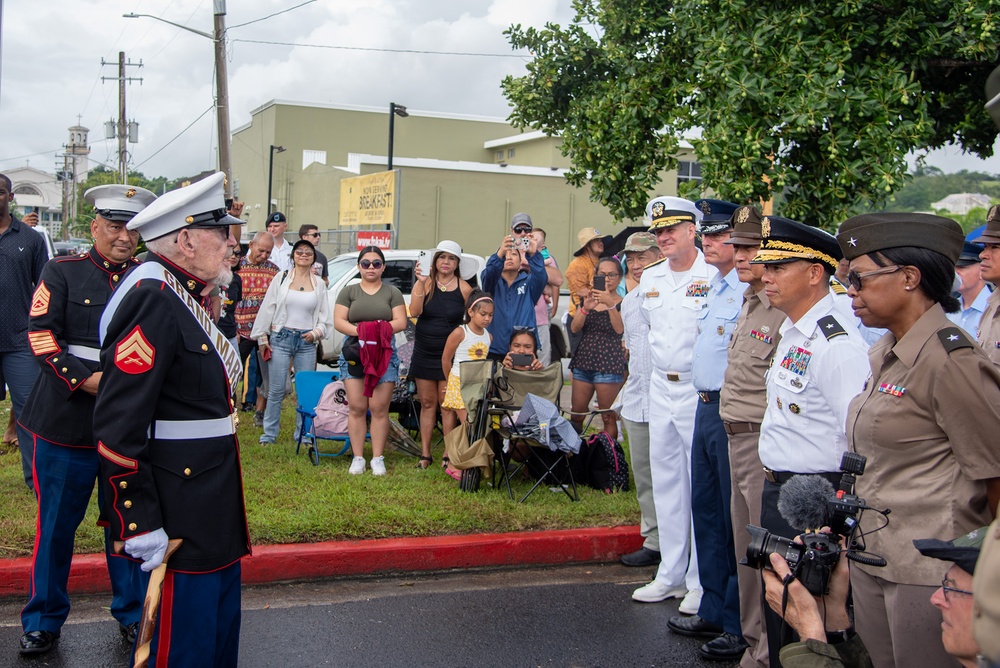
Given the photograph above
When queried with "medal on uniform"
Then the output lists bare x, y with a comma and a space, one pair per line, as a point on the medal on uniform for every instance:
720, 330
796, 360
794, 408
697, 289
894, 390
761, 335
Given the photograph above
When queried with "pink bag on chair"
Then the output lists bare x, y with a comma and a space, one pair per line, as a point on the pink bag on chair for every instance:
331, 411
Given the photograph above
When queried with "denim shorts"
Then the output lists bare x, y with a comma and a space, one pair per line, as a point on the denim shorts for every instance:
391, 374
596, 377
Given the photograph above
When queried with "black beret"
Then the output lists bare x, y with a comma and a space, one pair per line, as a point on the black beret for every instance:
786, 240
873, 232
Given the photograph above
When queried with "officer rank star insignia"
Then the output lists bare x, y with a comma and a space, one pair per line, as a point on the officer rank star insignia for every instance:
894, 390
134, 354
40, 302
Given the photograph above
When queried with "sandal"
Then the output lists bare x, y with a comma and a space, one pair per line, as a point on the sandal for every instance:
457, 475
425, 463
444, 462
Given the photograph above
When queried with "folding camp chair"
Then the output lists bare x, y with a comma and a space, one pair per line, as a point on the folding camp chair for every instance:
308, 387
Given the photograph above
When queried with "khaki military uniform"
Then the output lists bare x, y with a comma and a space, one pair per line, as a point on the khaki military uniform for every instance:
989, 328
742, 403
927, 421
986, 586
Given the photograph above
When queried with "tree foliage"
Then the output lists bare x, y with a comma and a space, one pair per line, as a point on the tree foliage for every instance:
100, 176
820, 101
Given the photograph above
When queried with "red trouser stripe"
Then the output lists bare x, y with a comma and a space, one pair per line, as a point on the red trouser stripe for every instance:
165, 621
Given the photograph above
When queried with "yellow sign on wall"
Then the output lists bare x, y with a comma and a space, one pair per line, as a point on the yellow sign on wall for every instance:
368, 199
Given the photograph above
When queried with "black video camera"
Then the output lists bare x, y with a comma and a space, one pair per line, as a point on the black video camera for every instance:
816, 504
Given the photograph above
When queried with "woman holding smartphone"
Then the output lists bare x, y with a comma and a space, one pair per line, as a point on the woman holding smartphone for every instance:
598, 365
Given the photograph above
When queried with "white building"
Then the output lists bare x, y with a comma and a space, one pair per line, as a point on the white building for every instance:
962, 203
35, 190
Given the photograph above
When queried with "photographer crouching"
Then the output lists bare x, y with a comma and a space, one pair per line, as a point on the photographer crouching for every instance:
825, 629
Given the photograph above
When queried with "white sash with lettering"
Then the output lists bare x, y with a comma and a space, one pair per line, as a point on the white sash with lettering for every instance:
226, 351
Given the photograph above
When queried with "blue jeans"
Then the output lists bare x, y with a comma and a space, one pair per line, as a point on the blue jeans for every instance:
19, 370
596, 377
287, 347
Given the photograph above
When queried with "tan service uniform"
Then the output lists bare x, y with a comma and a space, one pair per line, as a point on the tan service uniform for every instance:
989, 328
742, 405
986, 586
927, 421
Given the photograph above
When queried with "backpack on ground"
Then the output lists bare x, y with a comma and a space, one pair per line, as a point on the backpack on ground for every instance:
604, 464
331, 411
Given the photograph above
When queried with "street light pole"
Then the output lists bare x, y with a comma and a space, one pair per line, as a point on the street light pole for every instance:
270, 174
394, 110
221, 82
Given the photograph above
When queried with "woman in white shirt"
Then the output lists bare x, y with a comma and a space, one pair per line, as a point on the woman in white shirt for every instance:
295, 315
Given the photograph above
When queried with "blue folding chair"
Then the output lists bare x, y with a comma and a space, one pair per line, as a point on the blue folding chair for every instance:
309, 387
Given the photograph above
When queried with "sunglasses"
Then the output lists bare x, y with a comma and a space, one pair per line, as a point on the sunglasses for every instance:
945, 588
522, 230
304, 251
311, 234
371, 264
611, 275
854, 278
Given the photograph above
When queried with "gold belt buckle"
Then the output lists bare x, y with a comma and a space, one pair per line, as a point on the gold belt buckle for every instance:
673, 377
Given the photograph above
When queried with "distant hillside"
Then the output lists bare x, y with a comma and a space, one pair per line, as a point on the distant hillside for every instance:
929, 185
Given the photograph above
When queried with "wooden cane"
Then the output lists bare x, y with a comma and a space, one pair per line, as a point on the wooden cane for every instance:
151, 606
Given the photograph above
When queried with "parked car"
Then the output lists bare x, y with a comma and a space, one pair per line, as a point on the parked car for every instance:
399, 266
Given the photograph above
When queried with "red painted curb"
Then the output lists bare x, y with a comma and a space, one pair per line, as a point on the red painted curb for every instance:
304, 561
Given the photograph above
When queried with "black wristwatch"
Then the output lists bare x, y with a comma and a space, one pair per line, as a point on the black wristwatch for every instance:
837, 637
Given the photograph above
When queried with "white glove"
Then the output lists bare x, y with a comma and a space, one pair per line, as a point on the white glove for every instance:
149, 547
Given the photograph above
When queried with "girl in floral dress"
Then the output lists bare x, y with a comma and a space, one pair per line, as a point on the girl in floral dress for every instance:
468, 342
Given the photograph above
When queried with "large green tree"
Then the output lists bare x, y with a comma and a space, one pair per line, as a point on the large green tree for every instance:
820, 100
100, 176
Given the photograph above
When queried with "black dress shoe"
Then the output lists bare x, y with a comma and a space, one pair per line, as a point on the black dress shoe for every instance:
129, 631
38, 642
727, 647
641, 557
693, 626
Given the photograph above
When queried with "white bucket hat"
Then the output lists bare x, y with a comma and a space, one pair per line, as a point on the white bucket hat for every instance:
466, 265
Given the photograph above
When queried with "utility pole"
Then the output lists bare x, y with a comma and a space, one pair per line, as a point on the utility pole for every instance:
222, 96
122, 125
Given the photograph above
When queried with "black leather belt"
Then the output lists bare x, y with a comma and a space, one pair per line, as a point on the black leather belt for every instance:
708, 397
781, 477
733, 428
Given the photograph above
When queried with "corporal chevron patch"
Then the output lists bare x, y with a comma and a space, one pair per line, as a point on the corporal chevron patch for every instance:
135, 354
40, 301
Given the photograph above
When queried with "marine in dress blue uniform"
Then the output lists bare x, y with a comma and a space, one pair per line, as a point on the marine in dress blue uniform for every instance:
719, 612
165, 425
63, 333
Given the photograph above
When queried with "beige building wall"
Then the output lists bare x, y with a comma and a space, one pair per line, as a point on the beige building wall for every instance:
453, 183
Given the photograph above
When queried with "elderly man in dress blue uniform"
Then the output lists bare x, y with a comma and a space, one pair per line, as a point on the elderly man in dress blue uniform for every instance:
718, 616
63, 332
674, 292
166, 429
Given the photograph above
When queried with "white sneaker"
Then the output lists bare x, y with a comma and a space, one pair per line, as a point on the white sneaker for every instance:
691, 603
358, 466
378, 466
655, 592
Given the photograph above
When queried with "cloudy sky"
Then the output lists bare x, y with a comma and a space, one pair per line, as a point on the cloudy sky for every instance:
51, 72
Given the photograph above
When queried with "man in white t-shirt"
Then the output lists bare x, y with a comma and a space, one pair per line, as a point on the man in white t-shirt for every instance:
277, 225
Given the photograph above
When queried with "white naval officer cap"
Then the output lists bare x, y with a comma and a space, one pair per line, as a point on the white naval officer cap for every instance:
201, 204
668, 211
118, 202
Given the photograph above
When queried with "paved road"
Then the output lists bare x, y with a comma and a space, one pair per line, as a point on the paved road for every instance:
573, 616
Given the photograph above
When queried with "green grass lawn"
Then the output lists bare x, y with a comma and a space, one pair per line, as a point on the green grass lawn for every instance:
291, 501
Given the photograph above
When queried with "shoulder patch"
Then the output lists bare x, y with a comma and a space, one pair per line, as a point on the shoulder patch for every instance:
134, 354
837, 287
40, 300
830, 327
953, 338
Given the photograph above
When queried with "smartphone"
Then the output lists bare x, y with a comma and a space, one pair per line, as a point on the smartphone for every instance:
600, 283
520, 359
523, 244
424, 262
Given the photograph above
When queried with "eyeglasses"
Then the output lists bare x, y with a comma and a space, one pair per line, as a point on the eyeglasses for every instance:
610, 275
522, 230
371, 264
945, 587
304, 251
854, 278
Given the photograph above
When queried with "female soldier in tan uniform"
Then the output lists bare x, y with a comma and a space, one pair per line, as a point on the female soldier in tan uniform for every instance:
927, 420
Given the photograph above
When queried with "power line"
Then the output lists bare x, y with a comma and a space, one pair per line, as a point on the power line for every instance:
366, 48
264, 18
212, 106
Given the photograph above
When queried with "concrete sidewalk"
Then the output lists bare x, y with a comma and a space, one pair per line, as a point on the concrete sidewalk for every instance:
305, 561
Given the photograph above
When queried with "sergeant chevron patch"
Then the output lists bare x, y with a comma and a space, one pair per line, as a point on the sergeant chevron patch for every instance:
40, 301
134, 354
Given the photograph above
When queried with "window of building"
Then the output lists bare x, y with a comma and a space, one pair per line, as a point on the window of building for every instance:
24, 189
688, 171
510, 153
499, 155
309, 157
